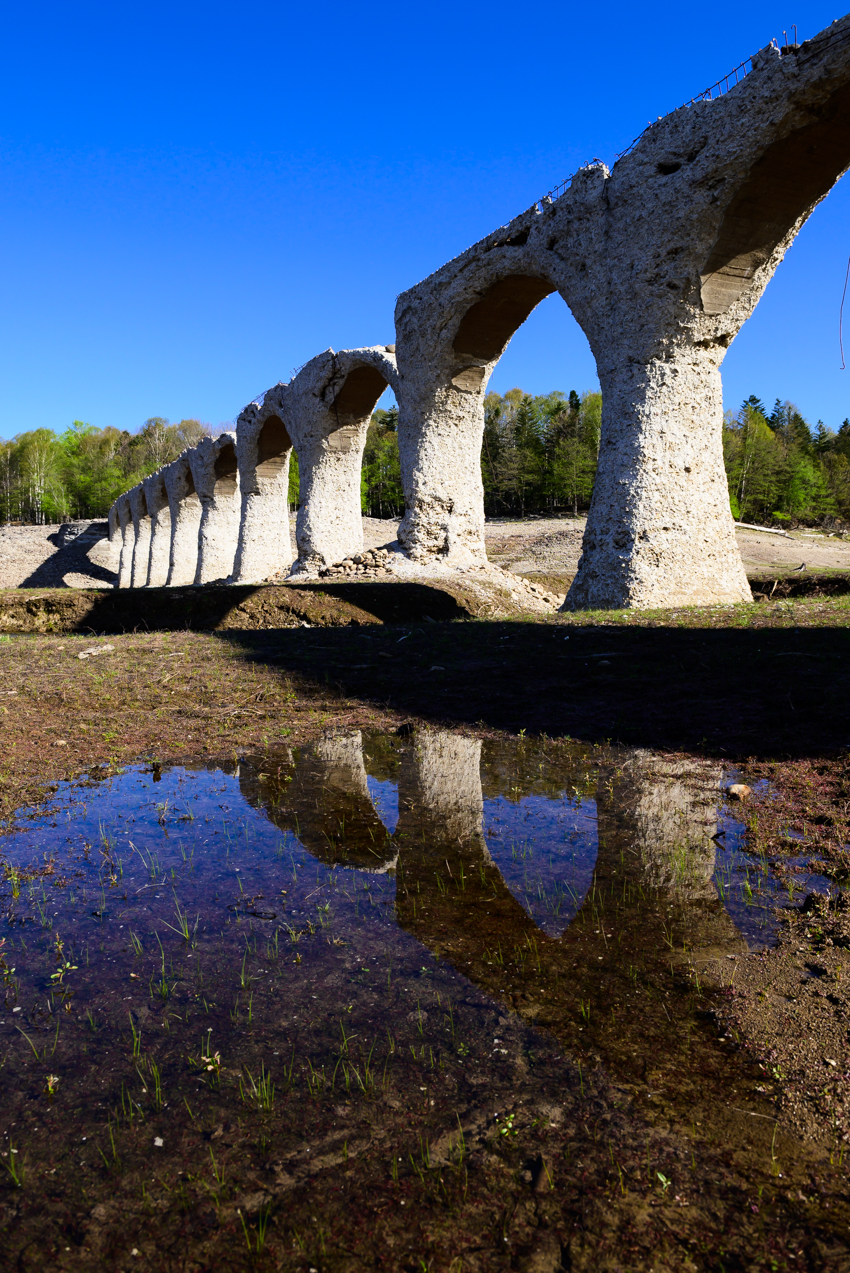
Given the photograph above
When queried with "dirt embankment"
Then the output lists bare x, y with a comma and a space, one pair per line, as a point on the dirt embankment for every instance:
249, 607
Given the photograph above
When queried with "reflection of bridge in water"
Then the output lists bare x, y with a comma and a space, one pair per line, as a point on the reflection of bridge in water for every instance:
651, 904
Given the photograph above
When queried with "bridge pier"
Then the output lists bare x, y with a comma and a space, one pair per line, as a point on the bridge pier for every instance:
128, 539
156, 499
660, 529
216, 478
263, 452
185, 516
328, 407
142, 536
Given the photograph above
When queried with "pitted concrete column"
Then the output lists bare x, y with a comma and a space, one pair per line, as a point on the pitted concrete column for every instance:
263, 451
142, 536
185, 516
128, 540
216, 478
156, 498
451, 331
327, 409
660, 530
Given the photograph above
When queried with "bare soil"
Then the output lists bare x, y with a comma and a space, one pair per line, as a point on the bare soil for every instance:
764, 688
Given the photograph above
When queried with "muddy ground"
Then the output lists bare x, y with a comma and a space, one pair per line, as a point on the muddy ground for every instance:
762, 688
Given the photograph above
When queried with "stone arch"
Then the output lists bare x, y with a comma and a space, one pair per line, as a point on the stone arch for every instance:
487, 326
451, 331
783, 187
273, 446
329, 406
263, 452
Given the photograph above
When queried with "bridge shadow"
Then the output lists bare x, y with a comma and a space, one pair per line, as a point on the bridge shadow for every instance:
71, 557
730, 692
727, 691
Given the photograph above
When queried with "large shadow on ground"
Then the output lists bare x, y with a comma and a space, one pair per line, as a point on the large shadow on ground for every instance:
766, 693
734, 691
71, 557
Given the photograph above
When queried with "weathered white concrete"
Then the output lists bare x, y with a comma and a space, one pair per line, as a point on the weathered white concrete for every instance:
142, 536
216, 477
661, 261
327, 408
156, 498
128, 541
263, 451
185, 516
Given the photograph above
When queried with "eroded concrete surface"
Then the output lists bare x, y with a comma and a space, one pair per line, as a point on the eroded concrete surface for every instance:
661, 260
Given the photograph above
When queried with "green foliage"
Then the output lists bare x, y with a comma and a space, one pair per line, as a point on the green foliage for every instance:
381, 493
778, 468
539, 453
48, 478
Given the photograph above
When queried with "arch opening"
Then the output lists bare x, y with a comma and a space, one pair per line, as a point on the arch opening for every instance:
362, 388
790, 177
273, 446
488, 325
226, 471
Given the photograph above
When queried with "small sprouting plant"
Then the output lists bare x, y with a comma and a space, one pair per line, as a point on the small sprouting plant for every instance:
5, 971
63, 964
506, 1125
209, 1062
14, 876
50, 1085
663, 1181
14, 1165
260, 1090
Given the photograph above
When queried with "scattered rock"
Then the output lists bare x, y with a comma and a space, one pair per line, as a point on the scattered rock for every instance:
94, 650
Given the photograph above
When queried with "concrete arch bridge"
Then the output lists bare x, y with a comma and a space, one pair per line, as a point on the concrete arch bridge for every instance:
661, 260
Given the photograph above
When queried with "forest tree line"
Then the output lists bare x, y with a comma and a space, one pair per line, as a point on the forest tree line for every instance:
539, 455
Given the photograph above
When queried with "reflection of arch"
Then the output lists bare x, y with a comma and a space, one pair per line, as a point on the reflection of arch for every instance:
324, 800
452, 898
216, 476
185, 509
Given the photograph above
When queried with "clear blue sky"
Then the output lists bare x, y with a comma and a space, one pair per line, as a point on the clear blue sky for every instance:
195, 199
